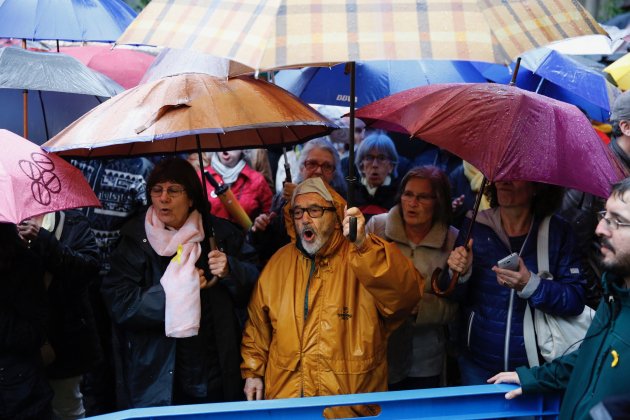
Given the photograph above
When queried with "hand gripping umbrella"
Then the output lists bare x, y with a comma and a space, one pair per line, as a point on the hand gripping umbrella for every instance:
504, 131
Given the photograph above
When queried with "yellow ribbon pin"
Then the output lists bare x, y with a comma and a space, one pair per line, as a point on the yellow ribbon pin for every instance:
178, 257
615, 357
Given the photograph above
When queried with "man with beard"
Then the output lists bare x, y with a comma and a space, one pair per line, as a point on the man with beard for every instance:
323, 307
599, 368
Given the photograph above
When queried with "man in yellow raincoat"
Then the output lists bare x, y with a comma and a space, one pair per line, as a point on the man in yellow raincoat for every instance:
323, 307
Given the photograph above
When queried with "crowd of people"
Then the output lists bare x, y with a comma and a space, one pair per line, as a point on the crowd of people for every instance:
162, 296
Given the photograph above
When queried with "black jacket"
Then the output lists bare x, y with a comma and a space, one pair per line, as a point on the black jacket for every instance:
24, 392
146, 360
72, 262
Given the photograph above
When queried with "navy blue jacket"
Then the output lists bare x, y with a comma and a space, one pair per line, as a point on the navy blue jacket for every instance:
492, 329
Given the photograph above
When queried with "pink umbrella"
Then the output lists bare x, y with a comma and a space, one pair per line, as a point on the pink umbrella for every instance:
125, 66
34, 182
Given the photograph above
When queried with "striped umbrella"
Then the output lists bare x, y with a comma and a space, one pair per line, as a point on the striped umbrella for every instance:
281, 33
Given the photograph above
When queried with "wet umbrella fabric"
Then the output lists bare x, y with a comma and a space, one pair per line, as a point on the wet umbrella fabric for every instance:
52, 72
170, 114
34, 182
64, 20
374, 79
123, 65
297, 33
506, 132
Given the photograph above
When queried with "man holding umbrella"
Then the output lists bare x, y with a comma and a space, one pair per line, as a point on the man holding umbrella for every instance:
323, 307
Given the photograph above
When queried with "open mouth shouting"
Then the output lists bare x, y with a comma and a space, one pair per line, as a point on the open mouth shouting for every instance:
308, 234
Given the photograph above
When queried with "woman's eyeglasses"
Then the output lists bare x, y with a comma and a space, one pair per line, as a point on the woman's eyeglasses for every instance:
315, 212
420, 198
171, 191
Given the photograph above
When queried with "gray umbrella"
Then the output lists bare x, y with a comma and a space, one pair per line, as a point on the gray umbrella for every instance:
50, 72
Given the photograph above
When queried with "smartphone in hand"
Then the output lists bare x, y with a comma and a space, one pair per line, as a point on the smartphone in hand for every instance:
509, 263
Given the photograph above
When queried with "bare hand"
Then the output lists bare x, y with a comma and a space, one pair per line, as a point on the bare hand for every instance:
203, 281
287, 190
513, 279
354, 212
262, 221
28, 230
218, 263
507, 378
460, 259
253, 389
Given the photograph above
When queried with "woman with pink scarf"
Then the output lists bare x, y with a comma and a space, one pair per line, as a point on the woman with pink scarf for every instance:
173, 301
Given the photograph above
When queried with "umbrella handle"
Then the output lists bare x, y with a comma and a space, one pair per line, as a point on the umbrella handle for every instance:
436, 287
352, 234
435, 277
213, 246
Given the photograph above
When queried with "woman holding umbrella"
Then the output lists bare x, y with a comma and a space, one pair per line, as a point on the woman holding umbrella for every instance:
493, 299
173, 300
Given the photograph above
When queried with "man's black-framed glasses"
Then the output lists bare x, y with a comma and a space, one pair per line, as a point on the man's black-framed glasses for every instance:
315, 212
613, 224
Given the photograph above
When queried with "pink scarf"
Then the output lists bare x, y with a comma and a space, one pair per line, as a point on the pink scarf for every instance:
180, 281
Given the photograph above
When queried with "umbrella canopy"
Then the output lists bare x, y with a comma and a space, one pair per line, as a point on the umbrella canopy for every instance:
572, 81
34, 182
170, 114
64, 20
52, 72
506, 132
374, 79
620, 71
48, 112
282, 33
172, 61
123, 65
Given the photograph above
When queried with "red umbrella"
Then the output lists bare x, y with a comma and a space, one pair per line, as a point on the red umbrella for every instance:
123, 65
34, 182
506, 132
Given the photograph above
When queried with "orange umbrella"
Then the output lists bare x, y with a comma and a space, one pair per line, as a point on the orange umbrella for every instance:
171, 114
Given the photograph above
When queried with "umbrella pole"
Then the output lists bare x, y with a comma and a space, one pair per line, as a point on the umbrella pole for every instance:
351, 179
24, 104
516, 67
438, 271
206, 205
287, 167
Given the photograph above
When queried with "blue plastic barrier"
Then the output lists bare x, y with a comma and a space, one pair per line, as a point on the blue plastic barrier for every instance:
466, 402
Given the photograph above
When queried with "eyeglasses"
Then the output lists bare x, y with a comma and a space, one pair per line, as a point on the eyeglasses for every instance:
613, 224
171, 191
421, 198
312, 165
314, 212
377, 158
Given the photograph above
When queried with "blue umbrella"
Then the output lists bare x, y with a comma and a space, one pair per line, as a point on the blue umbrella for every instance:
565, 78
67, 20
374, 79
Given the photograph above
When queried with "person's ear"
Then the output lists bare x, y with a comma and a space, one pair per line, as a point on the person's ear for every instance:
624, 126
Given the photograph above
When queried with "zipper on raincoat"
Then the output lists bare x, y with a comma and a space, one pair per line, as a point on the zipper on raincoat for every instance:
308, 286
